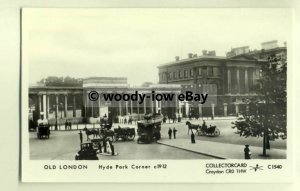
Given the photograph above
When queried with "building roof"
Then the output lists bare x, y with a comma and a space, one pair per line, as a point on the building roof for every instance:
187, 60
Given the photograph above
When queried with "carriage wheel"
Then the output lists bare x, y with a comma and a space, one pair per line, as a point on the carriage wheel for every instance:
158, 136
130, 137
138, 141
217, 132
200, 133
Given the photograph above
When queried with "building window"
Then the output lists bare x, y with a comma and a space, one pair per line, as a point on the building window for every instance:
174, 75
170, 76
185, 73
200, 72
163, 76
191, 72
180, 74
209, 71
216, 71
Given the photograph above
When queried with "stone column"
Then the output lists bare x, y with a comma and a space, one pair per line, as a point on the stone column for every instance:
246, 81
200, 109
40, 105
131, 107
152, 106
186, 109
99, 107
66, 106
48, 106
120, 108
176, 105
56, 104
156, 106
92, 108
225, 109
229, 80
74, 106
145, 106
44, 106
85, 109
126, 107
213, 111
137, 106
238, 80
236, 108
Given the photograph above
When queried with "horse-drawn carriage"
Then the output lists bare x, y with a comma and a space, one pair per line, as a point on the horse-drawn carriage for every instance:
124, 133
43, 130
103, 132
87, 152
203, 130
149, 128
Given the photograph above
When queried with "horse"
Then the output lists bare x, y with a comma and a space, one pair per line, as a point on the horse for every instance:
89, 132
192, 126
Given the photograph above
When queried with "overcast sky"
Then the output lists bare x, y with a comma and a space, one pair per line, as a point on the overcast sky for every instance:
133, 42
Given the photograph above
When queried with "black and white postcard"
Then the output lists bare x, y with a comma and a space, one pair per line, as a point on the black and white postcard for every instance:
156, 95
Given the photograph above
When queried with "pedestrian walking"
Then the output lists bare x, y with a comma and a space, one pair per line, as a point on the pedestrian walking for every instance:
174, 133
193, 138
80, 136
170, 133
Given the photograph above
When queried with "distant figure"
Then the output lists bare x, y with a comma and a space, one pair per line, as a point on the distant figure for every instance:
247, 152
170, 133
174, 132
80, 136
66, 125
70, 125
193, 138
125, 120
164, 119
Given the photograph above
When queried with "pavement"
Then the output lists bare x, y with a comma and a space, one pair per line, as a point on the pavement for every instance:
222, 150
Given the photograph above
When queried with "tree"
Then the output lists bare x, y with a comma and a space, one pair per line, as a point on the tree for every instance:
61, 81
266, 116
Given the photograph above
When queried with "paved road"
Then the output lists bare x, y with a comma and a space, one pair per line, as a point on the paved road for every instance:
63, 145
227, 135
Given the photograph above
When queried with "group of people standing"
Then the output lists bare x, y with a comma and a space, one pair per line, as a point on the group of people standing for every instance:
170, 132
68, 125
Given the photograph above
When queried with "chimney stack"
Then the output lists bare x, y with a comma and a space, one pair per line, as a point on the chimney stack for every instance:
177, 58
212, 53
190, 55
204, 52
